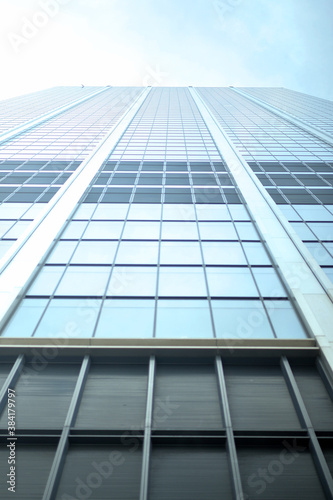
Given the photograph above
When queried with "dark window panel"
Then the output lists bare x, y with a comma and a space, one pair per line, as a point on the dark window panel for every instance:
43, 395
181, 473
316, 398
186, 397
285, 471
119, 394
259, 399
102, 472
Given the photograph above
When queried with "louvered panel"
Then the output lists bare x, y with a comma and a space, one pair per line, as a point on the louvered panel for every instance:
43, 397
278, 474
316, 398
101, 473
114, 397
259, 399
189, 474
186, 398
4, 371
33, 465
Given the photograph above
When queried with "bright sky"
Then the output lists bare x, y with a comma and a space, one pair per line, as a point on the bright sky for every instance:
284, 43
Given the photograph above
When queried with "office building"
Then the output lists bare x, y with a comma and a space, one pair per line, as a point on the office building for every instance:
166, 293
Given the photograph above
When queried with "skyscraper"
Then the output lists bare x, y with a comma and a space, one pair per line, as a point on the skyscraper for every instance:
166, 287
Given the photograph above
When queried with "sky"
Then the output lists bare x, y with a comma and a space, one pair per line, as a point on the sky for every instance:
280, 43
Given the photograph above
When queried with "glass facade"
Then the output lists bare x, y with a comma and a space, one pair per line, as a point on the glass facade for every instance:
158, 349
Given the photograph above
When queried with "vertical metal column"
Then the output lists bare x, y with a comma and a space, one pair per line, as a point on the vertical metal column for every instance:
147, 435
317, 453
60, 456
11, 380
236, 478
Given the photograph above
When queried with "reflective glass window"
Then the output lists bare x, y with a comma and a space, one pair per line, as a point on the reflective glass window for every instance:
46, 280
84, 281
230, 282
268, 282
243, 319
69, 318
137, 252
229, 253
145, 211
95, 252
217, 231
180, 253
106, 230
179, 231
284, 319
25, 319
182, 282
126, 318
135, 230
183, 319
133, 281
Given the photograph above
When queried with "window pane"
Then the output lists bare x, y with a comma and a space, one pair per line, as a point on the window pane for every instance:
83, 280
69, 318
74, 230
240, 319
246, 231
217, 231
230, 282
145, 211
133, 281
268, 282
212, 212
25, 319
179, 231
106, 230
223, 253
284, 319
182, 282
62, 252
111, 211
183, 319
95, 252
141, 231
46, 281
256, 254
181, 212
137, 252
180, 253
126, 318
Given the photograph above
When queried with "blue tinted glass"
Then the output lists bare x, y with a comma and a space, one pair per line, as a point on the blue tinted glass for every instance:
230, 282
137, 252
182, 282
133, 281
69, 318
183, 319
82, 280
244, 319
26, 318
180, 253
284, 319
126, 318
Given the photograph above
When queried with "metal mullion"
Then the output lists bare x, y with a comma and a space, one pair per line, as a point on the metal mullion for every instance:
11, 380
60, 456
147, 431
317, 453
236, 478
